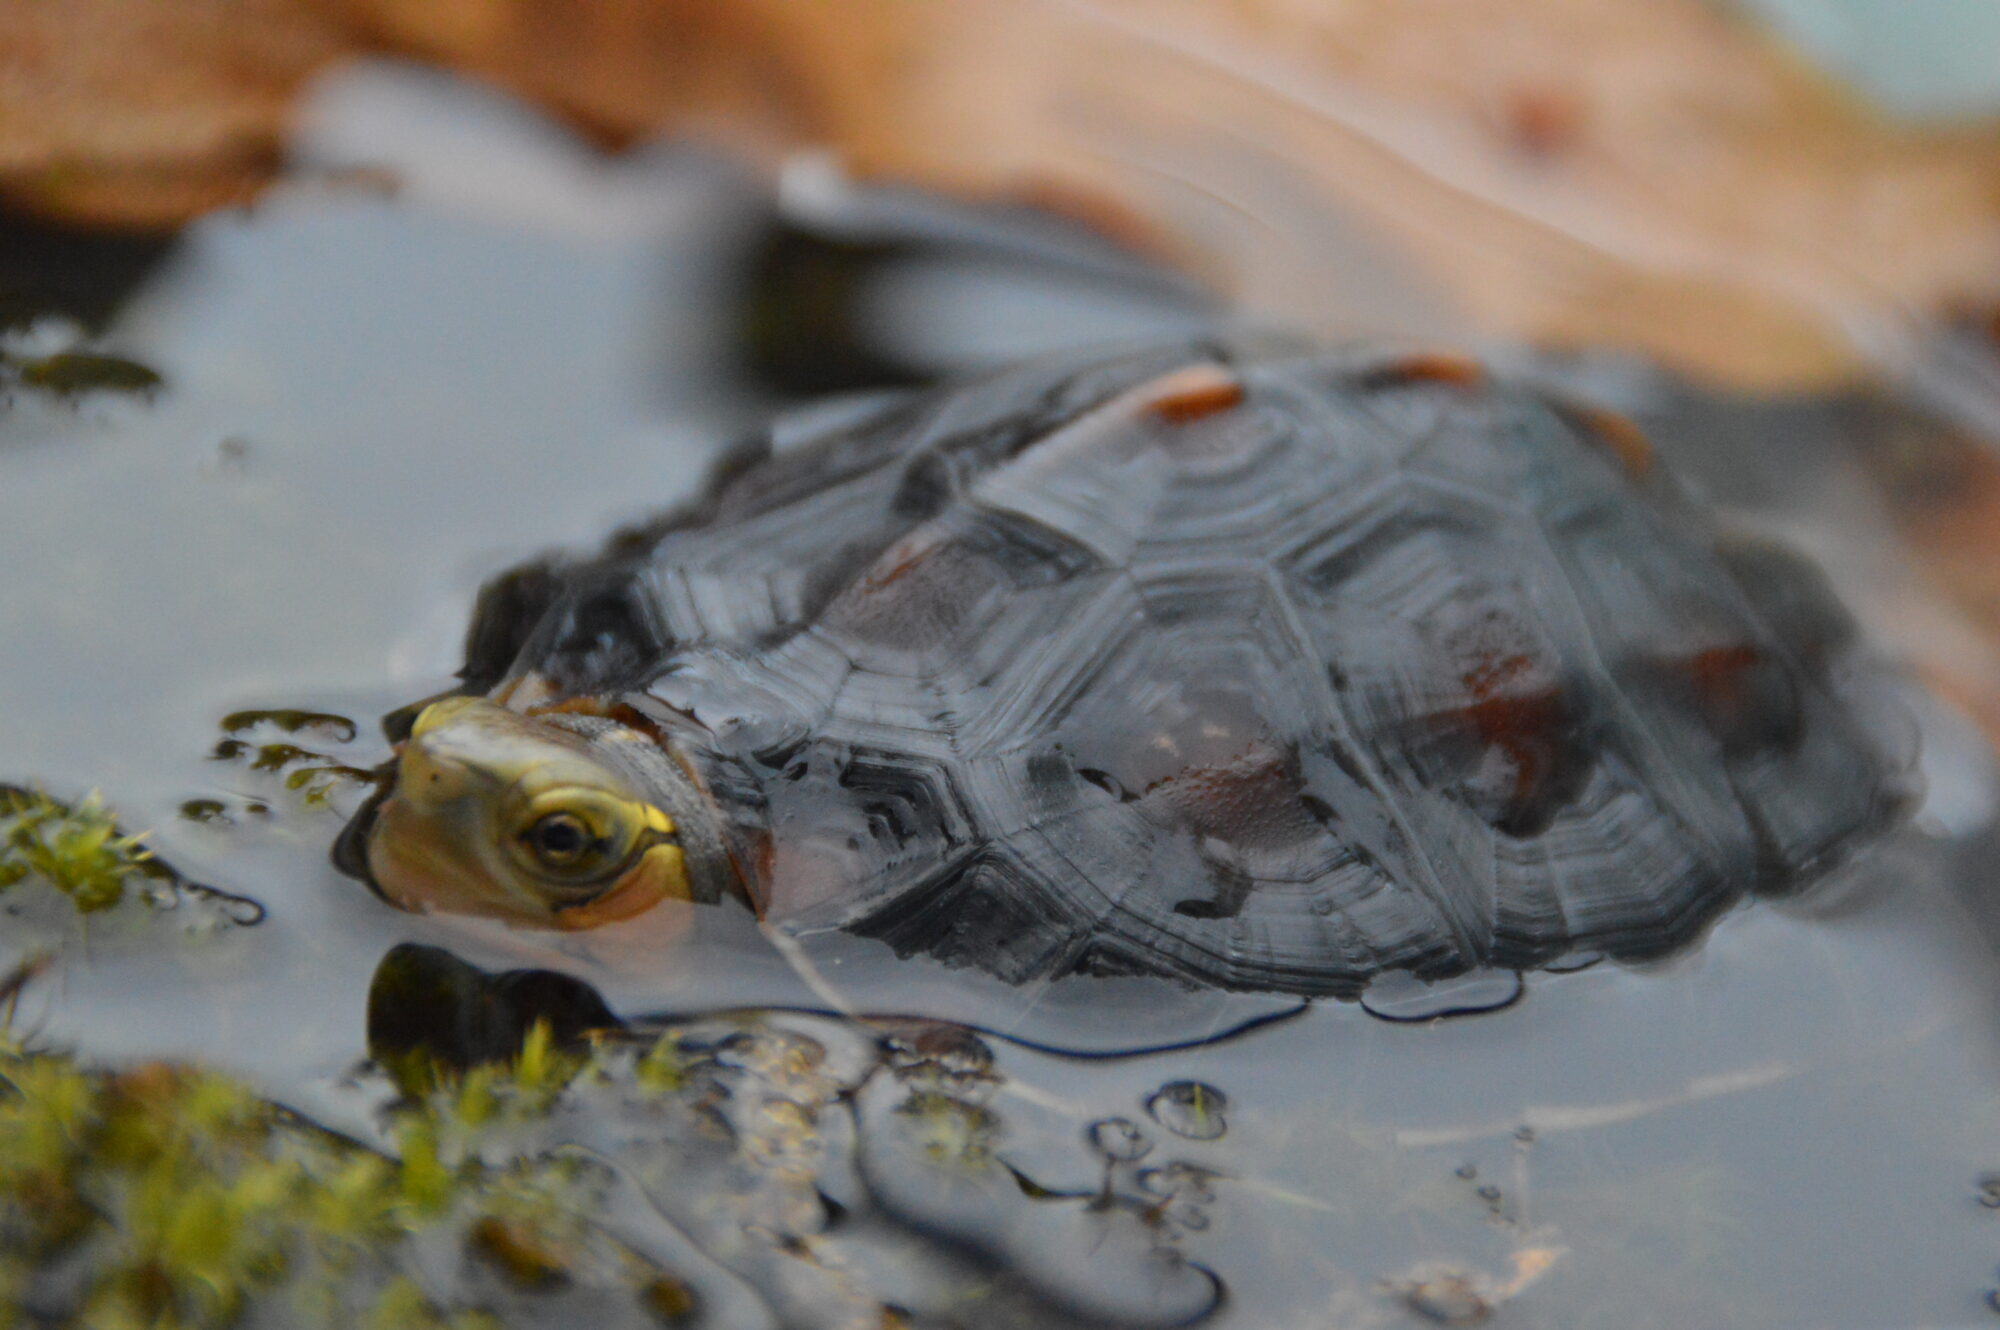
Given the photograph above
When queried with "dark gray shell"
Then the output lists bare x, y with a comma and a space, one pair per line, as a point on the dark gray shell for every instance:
1270, 675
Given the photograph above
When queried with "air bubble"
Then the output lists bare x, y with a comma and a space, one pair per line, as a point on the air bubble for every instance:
1119, 1140
1189, 1108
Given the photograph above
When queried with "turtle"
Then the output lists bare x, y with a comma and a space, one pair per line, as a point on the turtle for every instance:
1263, 669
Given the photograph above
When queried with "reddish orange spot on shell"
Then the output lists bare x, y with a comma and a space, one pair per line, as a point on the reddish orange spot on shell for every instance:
1743, 695
1721, 667
1620, 436
1193, 394
1528, 729
1722, 683
900, 561
1527, 725
1425, 367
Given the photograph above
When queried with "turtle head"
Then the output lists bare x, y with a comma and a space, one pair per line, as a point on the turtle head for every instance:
562, 821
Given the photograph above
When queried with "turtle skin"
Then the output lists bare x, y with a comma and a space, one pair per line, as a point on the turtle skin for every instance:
1261, 672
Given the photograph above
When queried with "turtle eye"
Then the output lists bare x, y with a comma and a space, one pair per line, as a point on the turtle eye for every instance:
566, 846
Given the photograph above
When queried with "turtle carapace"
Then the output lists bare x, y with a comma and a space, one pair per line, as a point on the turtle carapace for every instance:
1267, 673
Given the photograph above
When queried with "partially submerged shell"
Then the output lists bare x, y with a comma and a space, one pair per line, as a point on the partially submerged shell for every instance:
1264, 674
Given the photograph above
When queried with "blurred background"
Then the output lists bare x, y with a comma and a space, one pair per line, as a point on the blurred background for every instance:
1757, 191
1786, 200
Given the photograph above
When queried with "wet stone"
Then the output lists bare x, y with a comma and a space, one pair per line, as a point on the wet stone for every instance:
1189, 1108
780, 1057
1181, 1194
1179, 1179
670, 1301
949, 1059
519, 1254
1118, 1140
950, 1131
1444, 1298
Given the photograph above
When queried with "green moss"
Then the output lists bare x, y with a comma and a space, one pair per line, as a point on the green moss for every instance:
79, 851
190, 1201
663, 1068
75, 848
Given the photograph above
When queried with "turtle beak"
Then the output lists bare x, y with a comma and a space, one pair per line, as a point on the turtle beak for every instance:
350, 848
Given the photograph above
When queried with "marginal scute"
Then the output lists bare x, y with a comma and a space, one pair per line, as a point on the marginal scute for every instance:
983, 911
1269, 673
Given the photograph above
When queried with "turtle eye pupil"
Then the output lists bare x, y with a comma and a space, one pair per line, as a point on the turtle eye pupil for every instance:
560, 838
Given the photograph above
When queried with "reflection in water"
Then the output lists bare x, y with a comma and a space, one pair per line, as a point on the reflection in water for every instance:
427, 1006
84, 275
823, 1171
417, 392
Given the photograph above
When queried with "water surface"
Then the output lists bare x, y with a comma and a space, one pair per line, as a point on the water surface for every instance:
374, 401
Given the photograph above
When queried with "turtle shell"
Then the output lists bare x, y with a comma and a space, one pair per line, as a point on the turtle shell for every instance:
1268, 673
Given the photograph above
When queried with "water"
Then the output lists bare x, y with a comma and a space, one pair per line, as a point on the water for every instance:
371, 403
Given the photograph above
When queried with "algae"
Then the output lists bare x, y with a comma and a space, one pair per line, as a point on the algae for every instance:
687, 1169
75, 848
73, 373
79, 850
306, 772
170, 1196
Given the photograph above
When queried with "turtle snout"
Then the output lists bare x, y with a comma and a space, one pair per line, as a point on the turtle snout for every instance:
350, 847
417, 772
